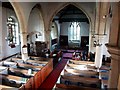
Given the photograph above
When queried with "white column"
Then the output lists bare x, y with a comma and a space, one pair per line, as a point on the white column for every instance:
98, 56
99, 53
24, 42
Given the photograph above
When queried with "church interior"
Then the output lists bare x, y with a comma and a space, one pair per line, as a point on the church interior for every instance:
59, 45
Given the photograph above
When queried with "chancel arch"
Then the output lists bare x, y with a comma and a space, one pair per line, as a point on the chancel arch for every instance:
64, 15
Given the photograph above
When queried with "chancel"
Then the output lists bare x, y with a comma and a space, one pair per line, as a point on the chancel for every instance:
59, 45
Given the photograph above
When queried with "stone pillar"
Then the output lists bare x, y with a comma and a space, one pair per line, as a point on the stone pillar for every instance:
101, 16
115, 67
48, 39
98, 57
114, 46
24, 43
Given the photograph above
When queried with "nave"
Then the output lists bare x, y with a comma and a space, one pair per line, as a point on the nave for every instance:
39, 73
57, 45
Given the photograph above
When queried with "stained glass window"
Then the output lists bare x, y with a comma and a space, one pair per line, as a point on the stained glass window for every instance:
12, 37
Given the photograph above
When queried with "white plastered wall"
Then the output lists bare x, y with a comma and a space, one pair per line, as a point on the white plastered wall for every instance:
35, 24
6, 50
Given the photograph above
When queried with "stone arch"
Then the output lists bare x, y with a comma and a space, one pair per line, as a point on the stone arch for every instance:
19, 15
76, 5
38, 7
22, 25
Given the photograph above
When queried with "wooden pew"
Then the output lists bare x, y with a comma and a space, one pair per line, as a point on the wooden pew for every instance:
15, 59
77, 66
84, 81
81, 79
44, 59
25, 72
104, 74
104, 83
27, 66
38, 79
9, 64
3, 70
11, 80
4, 87
82, 67
30, 85
73, 87
104, 78
34, 57
82, 62
105, 68
32, 62
45, 71
84, 73
35, 62
16, 78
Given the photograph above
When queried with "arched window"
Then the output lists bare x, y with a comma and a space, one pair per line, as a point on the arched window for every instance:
74, 34
12, 36
74, 31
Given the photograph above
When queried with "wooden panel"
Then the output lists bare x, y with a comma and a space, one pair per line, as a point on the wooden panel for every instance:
63, 40
30, 84
81, 79
35, 82
81, 72
43, 73
49, 67
81, 62
67, 87
37, 79
84, 41
40, 47
4, 87
28, 66
22, 87
25, 72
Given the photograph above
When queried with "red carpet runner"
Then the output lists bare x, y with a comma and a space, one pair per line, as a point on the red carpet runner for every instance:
49, 83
